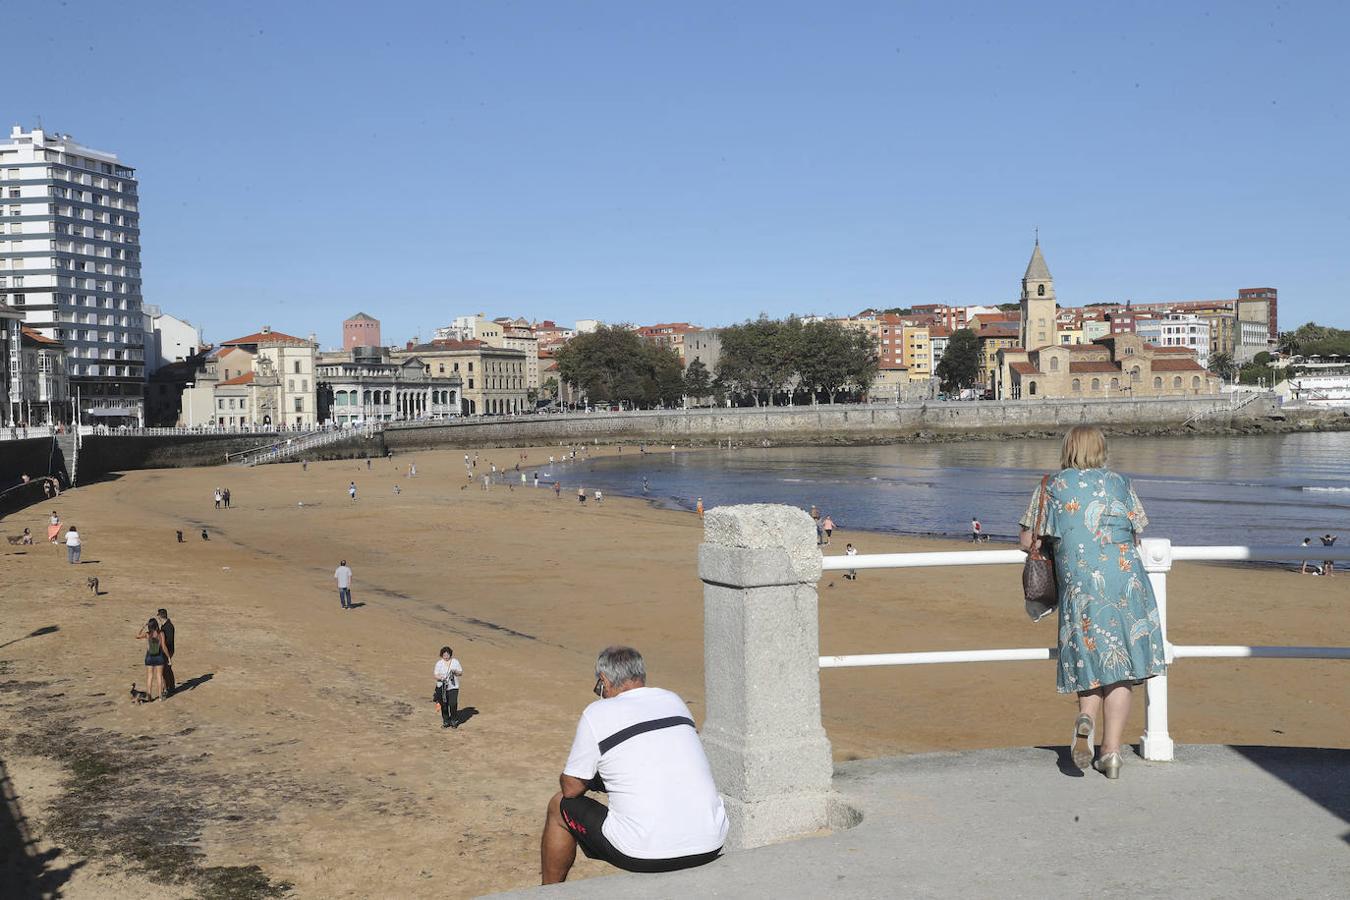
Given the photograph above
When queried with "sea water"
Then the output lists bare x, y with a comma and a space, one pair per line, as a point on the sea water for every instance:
1261, 489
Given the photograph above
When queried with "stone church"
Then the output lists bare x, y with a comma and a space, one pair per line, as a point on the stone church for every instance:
1119, 365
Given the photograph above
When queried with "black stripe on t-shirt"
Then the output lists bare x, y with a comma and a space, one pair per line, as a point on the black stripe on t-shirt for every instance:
619, 737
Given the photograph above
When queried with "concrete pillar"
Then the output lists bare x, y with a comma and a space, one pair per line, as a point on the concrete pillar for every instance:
770, 758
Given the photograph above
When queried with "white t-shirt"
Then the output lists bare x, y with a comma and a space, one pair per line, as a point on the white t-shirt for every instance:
449, 671
72, 538
662, 800
343, 574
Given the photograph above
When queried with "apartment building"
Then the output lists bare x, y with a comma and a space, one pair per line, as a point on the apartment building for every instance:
493, 378
70, 258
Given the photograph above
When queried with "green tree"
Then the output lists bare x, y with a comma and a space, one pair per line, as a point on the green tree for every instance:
757, 357
664, 380
697, 380
1221, 364
608, 365
550, 387
959, 367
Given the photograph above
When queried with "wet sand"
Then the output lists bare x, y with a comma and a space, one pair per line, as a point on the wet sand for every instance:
310, 748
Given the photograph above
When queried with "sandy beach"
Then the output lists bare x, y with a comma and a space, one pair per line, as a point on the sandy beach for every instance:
309, 747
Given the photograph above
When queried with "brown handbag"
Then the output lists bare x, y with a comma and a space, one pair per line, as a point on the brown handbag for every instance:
1039, 587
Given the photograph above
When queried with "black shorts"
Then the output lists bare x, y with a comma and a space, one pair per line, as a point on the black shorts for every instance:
585, 818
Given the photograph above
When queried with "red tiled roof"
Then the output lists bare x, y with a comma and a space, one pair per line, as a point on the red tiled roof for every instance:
1023, 368
1094, 365
939, 331
38, 337
1177, 365
1186, 350
262, 337
998, 329
246, 378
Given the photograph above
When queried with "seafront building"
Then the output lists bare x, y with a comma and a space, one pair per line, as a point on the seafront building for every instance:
70, 259
366, 384
168, 339
1120, 364
265, 379
493, 377
33, 379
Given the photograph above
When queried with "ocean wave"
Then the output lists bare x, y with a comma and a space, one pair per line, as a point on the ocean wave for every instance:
1325, 490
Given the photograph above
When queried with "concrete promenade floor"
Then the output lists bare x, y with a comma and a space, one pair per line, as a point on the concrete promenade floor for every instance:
1216, 822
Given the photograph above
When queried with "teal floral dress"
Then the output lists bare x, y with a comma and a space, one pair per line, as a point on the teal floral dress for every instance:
1108, 618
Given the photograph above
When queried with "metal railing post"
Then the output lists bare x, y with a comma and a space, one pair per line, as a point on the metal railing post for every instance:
1156, 742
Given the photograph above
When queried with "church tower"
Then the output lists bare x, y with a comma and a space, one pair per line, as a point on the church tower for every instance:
1038, 303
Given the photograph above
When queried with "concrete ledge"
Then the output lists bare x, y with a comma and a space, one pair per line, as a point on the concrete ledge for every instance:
1218, 822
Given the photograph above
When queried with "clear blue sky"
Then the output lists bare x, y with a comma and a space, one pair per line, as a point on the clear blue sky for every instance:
703, 161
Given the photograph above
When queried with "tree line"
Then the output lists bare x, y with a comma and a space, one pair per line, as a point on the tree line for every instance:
763, 362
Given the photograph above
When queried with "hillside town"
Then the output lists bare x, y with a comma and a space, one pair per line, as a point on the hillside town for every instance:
82, 345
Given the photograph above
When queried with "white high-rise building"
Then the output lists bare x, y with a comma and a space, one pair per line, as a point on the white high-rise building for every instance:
70, 258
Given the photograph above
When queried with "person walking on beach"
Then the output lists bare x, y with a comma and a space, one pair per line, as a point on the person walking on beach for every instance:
827, 525
155, 658
217, 497
351, 490
1328, 565
225, 497
73, 545
447, 674
557, 490
166, 628
815, 518
638, 743
581, 494
343, 574
536, 479
1110, 638
698, 507
53, 527
1307, 542
850, 550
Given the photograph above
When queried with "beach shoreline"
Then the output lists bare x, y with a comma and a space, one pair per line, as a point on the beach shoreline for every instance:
309, 747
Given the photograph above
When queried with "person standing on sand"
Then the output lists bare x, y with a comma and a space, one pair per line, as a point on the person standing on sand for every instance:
581, 494
155, 659
1328, 565
850, 550
698, 507
73, 545
351, 491
975, 529
225, 497
166, 629
1307, 542
343, 574
304, 465
827, 525
815, 518
557, 490
216, 497
53, 527
447, 674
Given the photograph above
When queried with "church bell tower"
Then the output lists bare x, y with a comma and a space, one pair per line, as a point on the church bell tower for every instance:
1038, 303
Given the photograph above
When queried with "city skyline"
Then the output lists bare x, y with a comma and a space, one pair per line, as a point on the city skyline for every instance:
705, 164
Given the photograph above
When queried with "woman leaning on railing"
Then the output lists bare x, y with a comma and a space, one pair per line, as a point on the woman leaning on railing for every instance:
1110, 636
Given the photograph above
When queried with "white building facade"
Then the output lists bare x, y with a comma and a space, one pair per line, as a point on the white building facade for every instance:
70, 258
1177, 330
168, 339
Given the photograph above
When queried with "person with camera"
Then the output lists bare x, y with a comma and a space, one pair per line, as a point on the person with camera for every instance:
447, 674
638, 745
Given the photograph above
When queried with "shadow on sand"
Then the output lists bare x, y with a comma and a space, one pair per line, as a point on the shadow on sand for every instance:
25, 872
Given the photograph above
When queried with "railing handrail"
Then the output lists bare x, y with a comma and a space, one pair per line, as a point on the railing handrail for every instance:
1180, 552
1157, 556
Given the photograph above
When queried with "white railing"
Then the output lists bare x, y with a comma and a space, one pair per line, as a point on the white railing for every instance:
26, 432
291, 446
1158, 556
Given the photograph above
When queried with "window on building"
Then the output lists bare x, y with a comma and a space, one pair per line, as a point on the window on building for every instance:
1054, 364
1031, 389
470, 384
1176, 382
297, 367
1157, 383
299, 403
1040, 290
1077, 386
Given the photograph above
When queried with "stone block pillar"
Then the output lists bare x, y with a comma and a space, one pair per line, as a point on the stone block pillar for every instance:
761, 646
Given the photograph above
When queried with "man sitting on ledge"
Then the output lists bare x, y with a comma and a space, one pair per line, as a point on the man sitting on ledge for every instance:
638, 744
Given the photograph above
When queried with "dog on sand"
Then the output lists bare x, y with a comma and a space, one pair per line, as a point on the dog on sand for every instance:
92, 584
138, 696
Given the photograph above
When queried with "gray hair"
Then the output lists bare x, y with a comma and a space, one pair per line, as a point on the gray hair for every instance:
620, 665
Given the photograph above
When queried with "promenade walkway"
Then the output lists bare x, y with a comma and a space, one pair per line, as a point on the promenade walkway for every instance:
1216, 822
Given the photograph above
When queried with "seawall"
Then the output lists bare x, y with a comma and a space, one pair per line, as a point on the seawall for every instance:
867, 424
